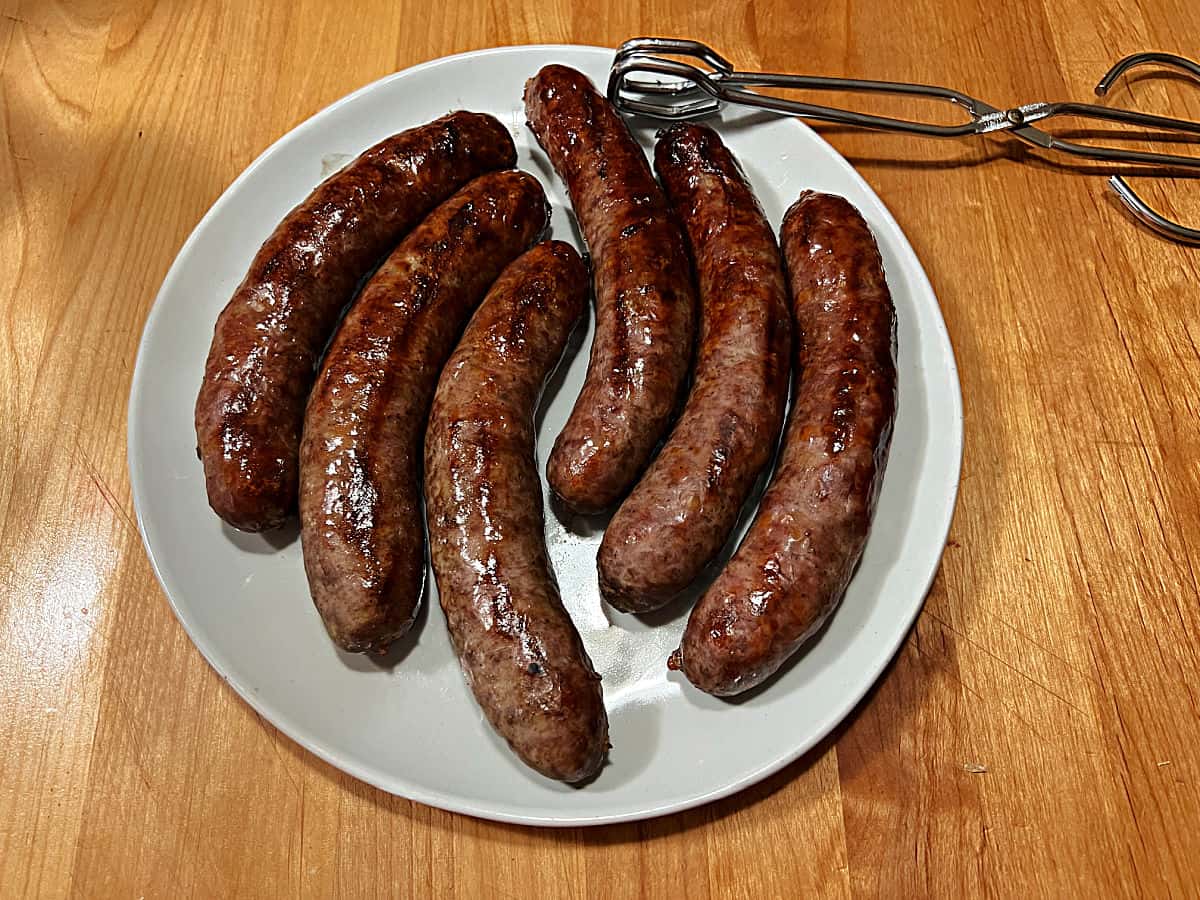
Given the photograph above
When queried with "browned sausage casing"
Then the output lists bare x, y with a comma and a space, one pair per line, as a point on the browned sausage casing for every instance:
269, 338
360, 496
645, 302
800, 551
519, 649
682, 511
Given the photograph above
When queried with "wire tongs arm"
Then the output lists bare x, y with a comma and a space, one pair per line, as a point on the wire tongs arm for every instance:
693, 91
721, 83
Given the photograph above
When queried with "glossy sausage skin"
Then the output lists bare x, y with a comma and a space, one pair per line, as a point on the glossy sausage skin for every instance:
269, 338
645, 301
803, 546
360, 461
519, 649
682, 511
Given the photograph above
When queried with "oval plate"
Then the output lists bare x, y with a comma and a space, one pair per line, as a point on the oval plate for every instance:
408, 724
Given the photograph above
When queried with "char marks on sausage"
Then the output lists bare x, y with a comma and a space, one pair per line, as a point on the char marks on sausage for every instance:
268, 340
645, 301
802, 548
522, 655
360, 495
682, 511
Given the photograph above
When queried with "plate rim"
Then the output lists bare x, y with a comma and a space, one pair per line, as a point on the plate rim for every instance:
400, 786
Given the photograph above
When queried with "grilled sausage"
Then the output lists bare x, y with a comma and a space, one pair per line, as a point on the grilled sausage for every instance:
802, 548
521, 654
360, 500
268, 339
682, 511
644, 296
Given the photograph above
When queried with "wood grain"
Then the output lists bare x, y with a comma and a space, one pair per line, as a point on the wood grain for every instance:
1038, 734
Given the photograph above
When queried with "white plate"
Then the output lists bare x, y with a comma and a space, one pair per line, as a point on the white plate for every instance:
413, 728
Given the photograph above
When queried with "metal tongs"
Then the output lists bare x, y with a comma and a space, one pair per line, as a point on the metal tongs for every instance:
700, 88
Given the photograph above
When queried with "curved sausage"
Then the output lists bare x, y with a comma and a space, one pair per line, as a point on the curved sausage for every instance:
681, 513
268, 339
803, 546
518, 647
360, 497
645, 302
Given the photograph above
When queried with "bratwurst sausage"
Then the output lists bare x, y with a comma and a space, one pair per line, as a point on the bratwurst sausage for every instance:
645, 302
803, 546
360, 460
518, 647
268, 339
682, 511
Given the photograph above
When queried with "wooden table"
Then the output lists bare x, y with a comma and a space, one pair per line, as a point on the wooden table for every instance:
1038, 735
